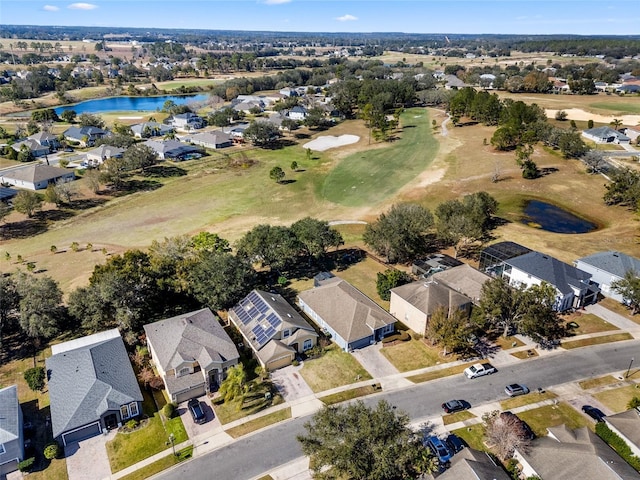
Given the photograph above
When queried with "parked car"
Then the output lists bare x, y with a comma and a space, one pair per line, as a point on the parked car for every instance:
454, 443
526, 429
595, 413
438, 448
516, 389
479, 370
455, 406
195, 408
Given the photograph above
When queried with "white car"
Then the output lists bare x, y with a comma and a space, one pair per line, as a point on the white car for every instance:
479, 370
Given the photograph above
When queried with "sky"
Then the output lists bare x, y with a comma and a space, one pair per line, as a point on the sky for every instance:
582, 17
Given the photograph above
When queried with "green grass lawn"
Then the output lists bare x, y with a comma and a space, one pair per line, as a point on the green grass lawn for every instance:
473, 435
367, 178
457, 417
333, 369
527, 399
414, 354
616, 337
629, 107
127, 449
506, 343
255, 401
260, 422
589, 323
160, 465
539, 419
350, 394
618, 398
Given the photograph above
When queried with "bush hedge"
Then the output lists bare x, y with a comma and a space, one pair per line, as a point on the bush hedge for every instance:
401, 336
52, 450
26, 465
35, 378
618, 444
169, 410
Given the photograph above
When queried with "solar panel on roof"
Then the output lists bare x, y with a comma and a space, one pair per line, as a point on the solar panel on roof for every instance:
263, 307
274, 320
253, 312
243, 316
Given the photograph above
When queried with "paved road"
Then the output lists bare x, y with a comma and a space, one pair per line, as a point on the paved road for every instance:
263, 451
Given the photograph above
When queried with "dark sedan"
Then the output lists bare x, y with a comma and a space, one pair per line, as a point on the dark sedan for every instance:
595, 413
195, 408
453, 406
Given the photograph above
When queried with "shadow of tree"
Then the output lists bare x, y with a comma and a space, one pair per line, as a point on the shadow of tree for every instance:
164, 171
87, 203
135, 185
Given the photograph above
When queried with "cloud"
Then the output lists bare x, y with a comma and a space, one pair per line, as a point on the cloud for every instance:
82, 6
50, 8
275, 2
347, 18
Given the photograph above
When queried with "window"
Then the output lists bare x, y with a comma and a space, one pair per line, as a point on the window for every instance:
133, 409
184, 371
2, 450
124, 412
308, 343
286, 333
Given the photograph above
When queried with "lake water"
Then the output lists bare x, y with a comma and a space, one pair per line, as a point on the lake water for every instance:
124, 104
554, 219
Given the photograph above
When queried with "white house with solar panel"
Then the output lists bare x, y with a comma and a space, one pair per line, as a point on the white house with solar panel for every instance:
273, 329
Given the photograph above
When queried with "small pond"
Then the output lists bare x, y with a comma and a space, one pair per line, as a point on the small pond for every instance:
554, 219
125, 104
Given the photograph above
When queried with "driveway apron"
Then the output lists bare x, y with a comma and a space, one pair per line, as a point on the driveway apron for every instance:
374, 362
290, 383
88, 460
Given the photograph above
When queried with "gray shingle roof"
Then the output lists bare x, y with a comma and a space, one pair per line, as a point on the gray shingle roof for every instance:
615, 263
544, 267
38, 173
627, 423
470, 464
87, 381
428, 296
79, 132
192, 336
464, 279
9, 414
606, 132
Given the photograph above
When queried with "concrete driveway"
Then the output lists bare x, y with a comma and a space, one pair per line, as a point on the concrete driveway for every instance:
374, 362
290, 383
195, 430
88, 460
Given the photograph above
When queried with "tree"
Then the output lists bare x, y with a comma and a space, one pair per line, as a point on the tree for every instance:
209, 242
505, 433
261, 133
633, 403
5, 209
561, 115
90, 120
51, 196
571, 144
629, 288
93, 179
401, 234
294, 166
273, 246
356, 441
390, 278
316, 236
64, 190
140, 156
276, 174
40, 306
590, 124
234, 388
594, 160
35, 378
539, 319
451, 330
9, 301
25, 154
68, 116
27, 202
499, 305
616, 123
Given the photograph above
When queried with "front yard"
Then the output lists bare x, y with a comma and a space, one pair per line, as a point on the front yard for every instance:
539, 419
261, 395
333, 369
617, 399
414, 354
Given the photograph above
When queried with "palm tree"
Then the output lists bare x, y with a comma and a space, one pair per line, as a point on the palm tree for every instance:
616, 123
233, 388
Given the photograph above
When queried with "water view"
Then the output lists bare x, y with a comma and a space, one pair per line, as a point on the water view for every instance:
123, 104
554, 219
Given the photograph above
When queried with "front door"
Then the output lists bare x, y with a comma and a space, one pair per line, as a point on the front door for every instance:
111, 421
214, 383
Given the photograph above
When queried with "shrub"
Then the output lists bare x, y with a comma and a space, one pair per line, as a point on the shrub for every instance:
169, 410
35, 378
26, 465
52, 450
561, 115
401, 336
132, 424
618, 444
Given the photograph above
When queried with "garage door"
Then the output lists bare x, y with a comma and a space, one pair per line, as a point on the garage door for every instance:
81, 434
8, 467
193, 393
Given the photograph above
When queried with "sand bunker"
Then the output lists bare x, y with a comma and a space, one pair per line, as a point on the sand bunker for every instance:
326, 142
130, 118
579, 114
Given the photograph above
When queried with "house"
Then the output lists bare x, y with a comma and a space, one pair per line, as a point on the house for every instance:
249, 106
273, 329
605, 135
192, 353
415, 303
11, 431
100, 154
36, 177
627, 426
566, 454
92, 386
46, 139
298, 113
186, 121
33, 146
432, 264
6, 194
173, 150
236, 131
85, 136
341, 310
574, 288
606, 268
492, 258
463, 279
470, 464
150, 129
214, 139
453, 82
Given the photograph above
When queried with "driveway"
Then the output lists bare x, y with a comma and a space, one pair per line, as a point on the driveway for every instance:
290, 383
374, 362
88, 460
193, 429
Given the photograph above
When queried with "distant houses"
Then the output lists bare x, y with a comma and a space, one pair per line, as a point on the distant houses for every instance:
151, 129
173, 150
606, 135
214, 140
85, 136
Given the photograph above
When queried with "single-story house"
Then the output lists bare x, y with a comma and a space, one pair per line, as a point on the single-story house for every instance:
92, 386
433, 263
173, 149
273, 329
33, 146
86, 136
605, 135
608, 267
298, 113
463, 279
192, 353
236, 131
573, 286
566, 454
11, 431
453, 82
46, 139
214, 139
36, 177
341, 310
632, 132
470, 464
627, 426
415, 303
186, 121
7, 194
151, 129
103, 153
248, 106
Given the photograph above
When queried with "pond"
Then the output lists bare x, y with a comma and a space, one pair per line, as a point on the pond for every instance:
125, 104
554, 219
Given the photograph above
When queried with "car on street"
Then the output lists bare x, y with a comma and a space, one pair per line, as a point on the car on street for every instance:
595, 413
453, 406
454, 443
515, 389
197, 413
479, 370
438, 448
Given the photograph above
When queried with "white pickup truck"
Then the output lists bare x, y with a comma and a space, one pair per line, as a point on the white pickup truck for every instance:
479, 369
